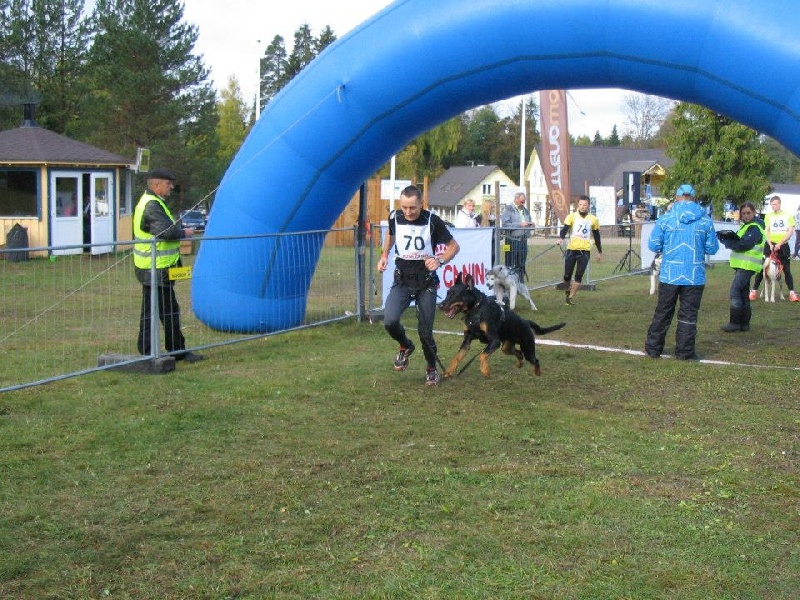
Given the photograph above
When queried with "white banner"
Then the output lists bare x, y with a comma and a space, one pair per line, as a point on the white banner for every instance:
604, 202
722, 255
474, 259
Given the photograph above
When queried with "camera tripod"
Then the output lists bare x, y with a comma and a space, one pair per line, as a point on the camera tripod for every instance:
626, 260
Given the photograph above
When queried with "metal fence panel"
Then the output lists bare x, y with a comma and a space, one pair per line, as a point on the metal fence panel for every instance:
62, 313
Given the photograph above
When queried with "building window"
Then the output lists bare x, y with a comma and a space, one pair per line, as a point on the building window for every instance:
19, 192
487, 189
125, 192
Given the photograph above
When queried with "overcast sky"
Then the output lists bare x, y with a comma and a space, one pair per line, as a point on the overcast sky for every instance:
230, 30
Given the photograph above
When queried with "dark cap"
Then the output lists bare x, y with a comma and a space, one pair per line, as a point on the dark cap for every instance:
161, 174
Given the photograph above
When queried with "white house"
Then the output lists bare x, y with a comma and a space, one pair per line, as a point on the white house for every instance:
482, 182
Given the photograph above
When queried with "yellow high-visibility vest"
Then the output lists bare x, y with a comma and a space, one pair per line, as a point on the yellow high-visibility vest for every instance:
167, 251
753, 259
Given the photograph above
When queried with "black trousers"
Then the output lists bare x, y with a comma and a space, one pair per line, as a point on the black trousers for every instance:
686, 332
575, 261
398, 300
169, 313
517, 256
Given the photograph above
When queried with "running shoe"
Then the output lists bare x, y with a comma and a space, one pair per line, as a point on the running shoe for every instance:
401, 362
432, 376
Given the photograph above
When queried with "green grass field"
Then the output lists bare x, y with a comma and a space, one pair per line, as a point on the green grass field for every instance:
302, 466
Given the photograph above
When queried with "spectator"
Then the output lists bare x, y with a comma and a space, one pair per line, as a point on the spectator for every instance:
515, 219
778, 231
466, 216
684, 236
152, 219
488, 218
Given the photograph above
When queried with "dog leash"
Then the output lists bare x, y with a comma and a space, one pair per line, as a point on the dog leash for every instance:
468, 363
546, 250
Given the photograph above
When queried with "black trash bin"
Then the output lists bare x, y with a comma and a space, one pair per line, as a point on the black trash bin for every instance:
16, 239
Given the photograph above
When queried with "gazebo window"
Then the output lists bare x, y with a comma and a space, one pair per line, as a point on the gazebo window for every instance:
125, 193
19, 192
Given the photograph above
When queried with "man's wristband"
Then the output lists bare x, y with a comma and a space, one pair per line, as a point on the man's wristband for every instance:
441, 262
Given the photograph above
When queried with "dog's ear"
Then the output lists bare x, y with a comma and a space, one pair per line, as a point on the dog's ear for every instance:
458, 278
469, 280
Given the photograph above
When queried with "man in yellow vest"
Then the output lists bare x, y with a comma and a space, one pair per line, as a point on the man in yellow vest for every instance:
746, 259
582, 227
152, 219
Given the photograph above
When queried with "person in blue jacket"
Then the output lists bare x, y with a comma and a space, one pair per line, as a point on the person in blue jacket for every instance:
684, 236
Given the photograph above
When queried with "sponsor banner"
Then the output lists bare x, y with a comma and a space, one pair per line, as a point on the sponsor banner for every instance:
722, 255
474, 259
555, 149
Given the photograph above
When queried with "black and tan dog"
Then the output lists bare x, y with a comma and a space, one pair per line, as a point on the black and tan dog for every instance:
492, 324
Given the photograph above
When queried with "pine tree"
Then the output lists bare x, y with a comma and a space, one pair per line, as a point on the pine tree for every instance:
303, 51
150, 90
273, 70
278, 68
325, 39
16, 71
61, 42
613, 140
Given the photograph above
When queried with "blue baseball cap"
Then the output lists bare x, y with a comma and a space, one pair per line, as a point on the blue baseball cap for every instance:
685, 190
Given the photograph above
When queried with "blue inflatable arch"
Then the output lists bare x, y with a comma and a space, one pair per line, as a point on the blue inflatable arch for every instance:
418, 63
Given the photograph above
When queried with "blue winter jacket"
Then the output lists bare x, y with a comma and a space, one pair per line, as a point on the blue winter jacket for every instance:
684, 236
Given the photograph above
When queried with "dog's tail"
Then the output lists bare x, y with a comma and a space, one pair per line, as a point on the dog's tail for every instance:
543, 330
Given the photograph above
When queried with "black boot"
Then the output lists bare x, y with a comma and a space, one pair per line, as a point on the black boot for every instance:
746, 314
735, 321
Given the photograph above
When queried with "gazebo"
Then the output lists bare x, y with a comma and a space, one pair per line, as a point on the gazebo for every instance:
67, 194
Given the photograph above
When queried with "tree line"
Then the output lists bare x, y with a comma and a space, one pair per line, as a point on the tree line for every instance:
125, 75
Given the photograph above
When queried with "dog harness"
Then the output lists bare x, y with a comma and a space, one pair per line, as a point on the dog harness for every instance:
473, 318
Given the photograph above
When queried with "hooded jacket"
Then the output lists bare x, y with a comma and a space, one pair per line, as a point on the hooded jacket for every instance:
684, 236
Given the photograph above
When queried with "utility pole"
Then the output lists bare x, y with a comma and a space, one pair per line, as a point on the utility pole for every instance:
522, 147
258, 81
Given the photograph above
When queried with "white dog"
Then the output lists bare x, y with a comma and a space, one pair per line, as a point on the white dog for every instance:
655, 269
505, 283
773, 276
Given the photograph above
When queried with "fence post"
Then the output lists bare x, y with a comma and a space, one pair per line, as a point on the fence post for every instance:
155, 342
360, 248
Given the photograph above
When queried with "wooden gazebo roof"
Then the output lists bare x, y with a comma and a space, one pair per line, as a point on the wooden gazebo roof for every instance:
33, 145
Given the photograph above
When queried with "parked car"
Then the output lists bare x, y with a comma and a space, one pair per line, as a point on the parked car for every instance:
193, 219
